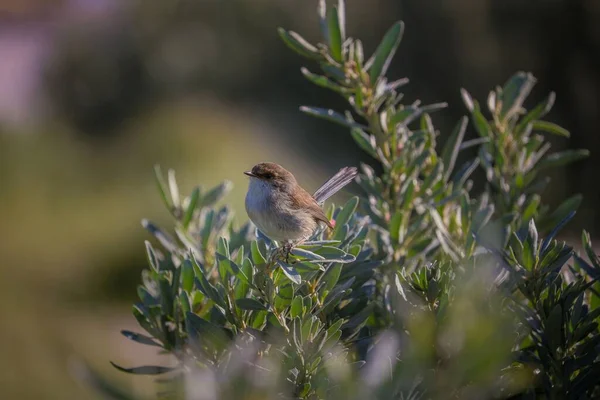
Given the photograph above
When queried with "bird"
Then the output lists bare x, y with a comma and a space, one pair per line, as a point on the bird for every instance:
281, 209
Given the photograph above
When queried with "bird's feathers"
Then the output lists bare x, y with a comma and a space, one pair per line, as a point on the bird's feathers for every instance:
335, 183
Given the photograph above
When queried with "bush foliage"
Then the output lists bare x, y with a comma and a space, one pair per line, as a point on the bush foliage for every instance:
425, 289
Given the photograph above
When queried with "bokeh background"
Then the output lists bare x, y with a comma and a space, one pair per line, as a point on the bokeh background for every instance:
94, 92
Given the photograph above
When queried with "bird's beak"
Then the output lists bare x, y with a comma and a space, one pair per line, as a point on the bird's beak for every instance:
249, 173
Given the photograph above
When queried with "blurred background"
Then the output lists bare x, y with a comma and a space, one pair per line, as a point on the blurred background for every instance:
94, 92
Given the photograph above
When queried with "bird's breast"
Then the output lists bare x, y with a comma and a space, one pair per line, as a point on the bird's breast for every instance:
273, 215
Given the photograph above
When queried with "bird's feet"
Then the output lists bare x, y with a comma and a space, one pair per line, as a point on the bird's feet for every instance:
287, 249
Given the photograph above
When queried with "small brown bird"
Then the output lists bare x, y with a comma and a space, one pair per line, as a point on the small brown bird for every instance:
281, 209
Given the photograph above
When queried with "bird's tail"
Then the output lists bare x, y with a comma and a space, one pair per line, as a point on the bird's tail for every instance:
335, 183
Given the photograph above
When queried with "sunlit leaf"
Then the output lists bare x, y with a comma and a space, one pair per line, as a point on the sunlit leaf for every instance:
299, 44
385, 51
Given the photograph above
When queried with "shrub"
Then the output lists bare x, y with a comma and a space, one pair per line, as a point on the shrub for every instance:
424, 289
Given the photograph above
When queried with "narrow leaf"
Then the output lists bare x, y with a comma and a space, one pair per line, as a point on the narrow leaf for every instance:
341, 11
346, 212
152, 259
303, 253
173, 188
538, 112
162, 187
296, 308
365, 141
299, 44
322, 11
562, 158
550, 127
335, 34
145, 370
140, 338
452, 146
330, 115
290, 272
189, 212
167, 241
385, 51
514, 93
322, 81
216, 194
250, 304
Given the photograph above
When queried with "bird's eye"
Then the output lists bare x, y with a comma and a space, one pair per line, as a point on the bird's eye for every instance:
268, 175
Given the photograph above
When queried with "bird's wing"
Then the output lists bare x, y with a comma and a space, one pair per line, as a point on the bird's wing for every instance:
308, 203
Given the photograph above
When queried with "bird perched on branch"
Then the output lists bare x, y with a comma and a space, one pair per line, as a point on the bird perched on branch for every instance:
281, 209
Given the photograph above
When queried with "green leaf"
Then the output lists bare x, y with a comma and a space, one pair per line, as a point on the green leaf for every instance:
242, 286
228, 268
323, 81
166, 296
184, 301
341, 11
395, 225
554, 328
562, 158
550, 127
200, 329
463, 174
284, 293
468, 100
533, 237
589, 250
162, 187
561, 212
142, 316
335, 327
335, 34
333, 254
538, 112
452, 147
346, 213
216, 194
173, 188
303, 253
331, 276
296, 309
322, 11
209, 290
152, 259
187, 275
189, 212
405, 116
257, 256
297, 43
145, 370
250, 304
514, 93
223, 247
481, 124
167, 241
290, 272
444, 236
330, 115
140, 338
365, 141
385, 51
548, 239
